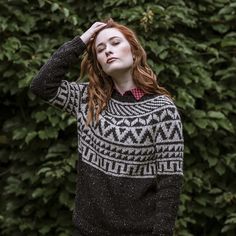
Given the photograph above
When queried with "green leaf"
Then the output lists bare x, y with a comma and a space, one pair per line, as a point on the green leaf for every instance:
212, 161
40, 116
43, 134
41, 3
66, 12
38, 192
228, 42
215, 191
191, 129
220, 169
201, 123
20, 133
216, 115
227, 125
221, 28
30, 136
201, 200
44, 170
64, 198
54, 7
45, 229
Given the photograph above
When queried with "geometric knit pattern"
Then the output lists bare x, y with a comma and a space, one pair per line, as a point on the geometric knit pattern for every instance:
133, 140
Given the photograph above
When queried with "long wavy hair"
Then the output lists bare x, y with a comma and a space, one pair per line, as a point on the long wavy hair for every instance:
101, 85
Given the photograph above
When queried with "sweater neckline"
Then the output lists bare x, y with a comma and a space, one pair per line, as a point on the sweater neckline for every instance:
129, 99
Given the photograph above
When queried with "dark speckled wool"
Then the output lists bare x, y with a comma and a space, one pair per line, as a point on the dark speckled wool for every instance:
129, 163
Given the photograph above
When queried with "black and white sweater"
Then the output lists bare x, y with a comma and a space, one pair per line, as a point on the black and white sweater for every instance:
129, 163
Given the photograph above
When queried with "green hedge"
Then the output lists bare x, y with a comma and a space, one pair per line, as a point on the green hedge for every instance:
191, 45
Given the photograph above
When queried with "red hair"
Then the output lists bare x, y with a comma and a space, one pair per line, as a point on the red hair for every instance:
101, 85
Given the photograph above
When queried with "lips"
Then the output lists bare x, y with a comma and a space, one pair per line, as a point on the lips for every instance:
110, 60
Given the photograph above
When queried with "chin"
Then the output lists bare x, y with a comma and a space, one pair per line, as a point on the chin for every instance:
118, 70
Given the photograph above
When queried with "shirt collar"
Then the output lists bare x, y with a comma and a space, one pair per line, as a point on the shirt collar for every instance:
136, 92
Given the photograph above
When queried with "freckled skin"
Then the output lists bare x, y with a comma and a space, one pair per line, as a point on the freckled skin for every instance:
112, 43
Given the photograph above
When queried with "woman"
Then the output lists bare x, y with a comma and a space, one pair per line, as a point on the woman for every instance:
130, 141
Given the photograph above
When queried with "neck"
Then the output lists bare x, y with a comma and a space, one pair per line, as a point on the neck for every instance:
123, 82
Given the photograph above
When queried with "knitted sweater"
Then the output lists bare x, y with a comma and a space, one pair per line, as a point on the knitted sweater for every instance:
129, 163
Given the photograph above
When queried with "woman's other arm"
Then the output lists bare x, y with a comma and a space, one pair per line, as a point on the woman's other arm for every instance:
169, 171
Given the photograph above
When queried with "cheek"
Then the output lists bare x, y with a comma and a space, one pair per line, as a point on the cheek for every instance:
126, 50
127, 54
100, 60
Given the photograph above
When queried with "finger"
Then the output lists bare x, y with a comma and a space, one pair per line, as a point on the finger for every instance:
99, 24
99, 27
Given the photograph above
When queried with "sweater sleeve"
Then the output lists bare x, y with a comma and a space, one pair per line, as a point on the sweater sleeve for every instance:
170, 146
50, 83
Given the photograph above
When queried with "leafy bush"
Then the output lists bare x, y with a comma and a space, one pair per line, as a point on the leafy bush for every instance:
191, 45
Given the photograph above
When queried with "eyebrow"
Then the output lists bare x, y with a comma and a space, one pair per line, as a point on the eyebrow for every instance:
108, 40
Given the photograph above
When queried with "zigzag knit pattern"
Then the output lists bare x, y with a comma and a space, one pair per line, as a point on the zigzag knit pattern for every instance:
134, 140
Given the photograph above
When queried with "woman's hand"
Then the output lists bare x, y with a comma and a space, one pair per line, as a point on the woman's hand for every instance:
88, 34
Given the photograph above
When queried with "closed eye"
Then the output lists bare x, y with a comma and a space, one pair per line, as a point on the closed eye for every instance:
115, 42
100, 49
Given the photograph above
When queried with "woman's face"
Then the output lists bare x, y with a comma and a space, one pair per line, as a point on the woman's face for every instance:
113, 52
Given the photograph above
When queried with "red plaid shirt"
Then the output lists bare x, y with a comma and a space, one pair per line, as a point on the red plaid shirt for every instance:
137, 93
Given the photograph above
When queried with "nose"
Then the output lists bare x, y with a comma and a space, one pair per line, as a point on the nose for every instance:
108, 51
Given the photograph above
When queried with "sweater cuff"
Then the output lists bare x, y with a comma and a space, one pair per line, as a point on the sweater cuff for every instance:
78, 44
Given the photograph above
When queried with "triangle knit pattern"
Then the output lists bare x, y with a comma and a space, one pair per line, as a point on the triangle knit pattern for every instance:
132, 139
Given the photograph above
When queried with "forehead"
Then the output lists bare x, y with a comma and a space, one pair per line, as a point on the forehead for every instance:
106, 34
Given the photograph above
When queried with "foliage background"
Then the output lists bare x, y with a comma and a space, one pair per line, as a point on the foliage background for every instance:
191, 45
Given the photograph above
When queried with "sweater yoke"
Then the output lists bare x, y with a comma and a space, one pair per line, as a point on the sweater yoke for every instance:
131, 139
